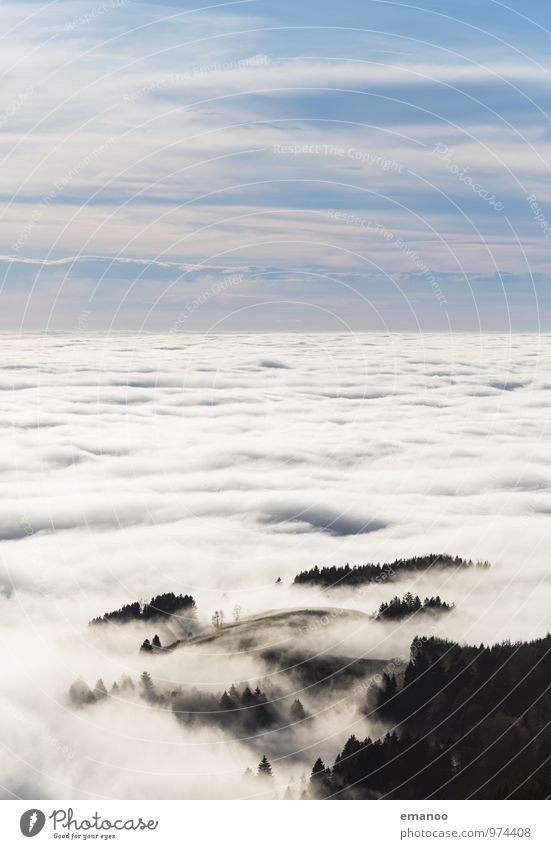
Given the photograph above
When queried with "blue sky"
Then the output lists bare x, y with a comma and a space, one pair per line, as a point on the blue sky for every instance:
364, 165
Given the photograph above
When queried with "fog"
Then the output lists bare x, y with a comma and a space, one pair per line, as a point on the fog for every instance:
213, 465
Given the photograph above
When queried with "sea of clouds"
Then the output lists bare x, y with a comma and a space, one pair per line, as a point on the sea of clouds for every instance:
213, 464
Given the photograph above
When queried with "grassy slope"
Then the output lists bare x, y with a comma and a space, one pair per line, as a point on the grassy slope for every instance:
284, 641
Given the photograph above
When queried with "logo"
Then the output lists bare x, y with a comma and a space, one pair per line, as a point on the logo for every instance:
32, 822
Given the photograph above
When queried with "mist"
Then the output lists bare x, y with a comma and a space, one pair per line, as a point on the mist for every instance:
213, 465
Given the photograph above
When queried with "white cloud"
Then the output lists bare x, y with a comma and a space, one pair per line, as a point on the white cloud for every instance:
221, 475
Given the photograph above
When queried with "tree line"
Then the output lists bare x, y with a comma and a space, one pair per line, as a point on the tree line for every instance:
159, 607
337, 576
238, 710
401, 608
467, 722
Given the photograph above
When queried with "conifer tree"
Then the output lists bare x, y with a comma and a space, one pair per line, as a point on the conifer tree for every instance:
297, 712
320, 780
265, 768
100, 690
147, 686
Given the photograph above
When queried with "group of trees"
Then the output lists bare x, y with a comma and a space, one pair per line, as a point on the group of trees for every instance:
81, 694
401, 608
468, 722
261, 780
218, 617
241, 711
160, 606
336, 576
153, 645
396, 766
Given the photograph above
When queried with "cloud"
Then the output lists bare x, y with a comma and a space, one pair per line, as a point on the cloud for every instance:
127, 178
111, 493
151, 442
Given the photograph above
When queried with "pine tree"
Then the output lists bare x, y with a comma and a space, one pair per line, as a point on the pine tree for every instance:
127, 684
81, 694
100, 690
265, 768
226, 703
320, 781
147, 686
247, 698
248, 775
297, 712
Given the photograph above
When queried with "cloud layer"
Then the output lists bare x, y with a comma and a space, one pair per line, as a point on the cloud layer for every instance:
137, 464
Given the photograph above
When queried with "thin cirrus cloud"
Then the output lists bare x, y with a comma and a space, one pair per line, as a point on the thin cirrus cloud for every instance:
258, 135
89, 293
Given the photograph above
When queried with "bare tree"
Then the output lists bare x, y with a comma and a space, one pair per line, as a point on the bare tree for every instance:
218, 618
237, 613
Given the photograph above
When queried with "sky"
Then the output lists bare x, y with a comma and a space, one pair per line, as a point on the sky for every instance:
262, 166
